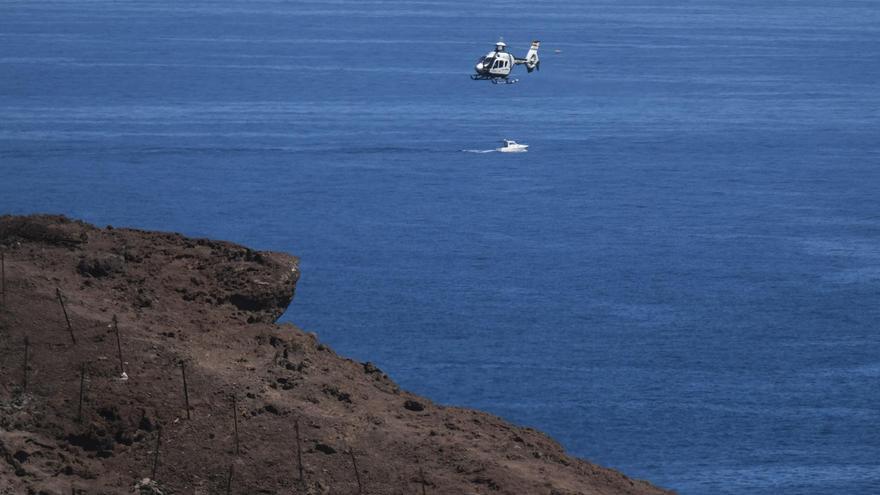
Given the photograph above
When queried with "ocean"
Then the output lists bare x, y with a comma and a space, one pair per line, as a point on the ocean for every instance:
680, 279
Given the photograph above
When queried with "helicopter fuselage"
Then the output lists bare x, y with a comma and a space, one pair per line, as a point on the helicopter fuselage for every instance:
495, 64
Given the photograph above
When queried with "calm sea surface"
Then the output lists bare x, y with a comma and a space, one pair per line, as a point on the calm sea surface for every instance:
681, 279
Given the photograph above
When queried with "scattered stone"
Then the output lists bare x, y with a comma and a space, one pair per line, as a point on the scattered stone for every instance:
145, 423
370, 368
323, 447
489, 482
147, 486
93, 439
110, 413
100, 266
335, 392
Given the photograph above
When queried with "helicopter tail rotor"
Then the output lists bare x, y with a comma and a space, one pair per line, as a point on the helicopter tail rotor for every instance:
531, 60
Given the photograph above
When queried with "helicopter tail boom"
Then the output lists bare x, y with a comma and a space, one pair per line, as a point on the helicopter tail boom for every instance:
531, 60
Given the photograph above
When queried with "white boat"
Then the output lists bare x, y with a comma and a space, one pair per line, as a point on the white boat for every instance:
511, 146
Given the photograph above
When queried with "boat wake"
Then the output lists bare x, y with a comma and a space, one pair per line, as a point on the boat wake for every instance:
479, 151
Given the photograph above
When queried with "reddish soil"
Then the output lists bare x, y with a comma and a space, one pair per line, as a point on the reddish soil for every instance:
212, 306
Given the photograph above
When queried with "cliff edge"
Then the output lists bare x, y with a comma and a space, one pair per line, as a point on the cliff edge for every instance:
216, 397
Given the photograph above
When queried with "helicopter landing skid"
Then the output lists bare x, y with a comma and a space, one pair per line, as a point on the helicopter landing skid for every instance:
495, 80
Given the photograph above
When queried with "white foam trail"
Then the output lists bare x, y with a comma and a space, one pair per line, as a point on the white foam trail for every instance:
478, 151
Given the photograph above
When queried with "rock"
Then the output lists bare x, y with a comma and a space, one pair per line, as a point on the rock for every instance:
147, 486
94, 439
370, 368
323, 447
21, 456
335, 392
110, 413
414, 405
318, 488
99, 266
145, 423
53, 230
489, 482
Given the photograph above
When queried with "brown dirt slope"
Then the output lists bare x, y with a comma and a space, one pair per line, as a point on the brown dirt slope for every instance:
211, 306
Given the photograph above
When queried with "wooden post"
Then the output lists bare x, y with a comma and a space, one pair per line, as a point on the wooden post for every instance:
299, 452
82, 392
66, 318
156, 452
422, 478
235, 422
229, 480
185, 390
24, 385
118, 345
357, 474
3, 277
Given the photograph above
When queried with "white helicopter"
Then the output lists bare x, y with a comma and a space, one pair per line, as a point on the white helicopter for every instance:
496, 65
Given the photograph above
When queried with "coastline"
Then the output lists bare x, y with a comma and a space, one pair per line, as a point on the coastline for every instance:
258, 393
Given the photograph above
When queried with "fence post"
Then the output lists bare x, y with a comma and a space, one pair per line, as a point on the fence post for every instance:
3, 276
27, 344
185, 389
156, 452
299, 453
82, 390
66, 318
229, 480
357, 474
235, 422
118, 345
423, 480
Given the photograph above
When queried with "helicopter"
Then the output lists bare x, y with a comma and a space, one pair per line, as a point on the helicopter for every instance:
496, 65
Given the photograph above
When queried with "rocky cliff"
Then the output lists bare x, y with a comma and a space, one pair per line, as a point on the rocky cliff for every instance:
216, 397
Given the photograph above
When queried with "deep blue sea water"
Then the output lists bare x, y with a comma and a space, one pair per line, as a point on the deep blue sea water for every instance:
681, 279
